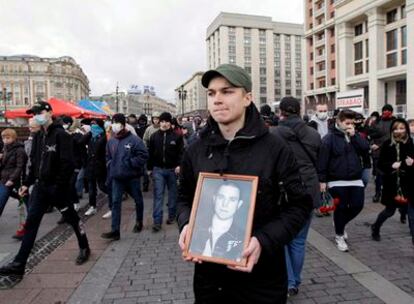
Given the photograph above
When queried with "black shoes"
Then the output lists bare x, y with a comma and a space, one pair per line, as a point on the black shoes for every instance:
376, 198
293, 292
83, 256
403, 219
12, 269
138, 227
156, 227
113, 235
170, 221
375, 234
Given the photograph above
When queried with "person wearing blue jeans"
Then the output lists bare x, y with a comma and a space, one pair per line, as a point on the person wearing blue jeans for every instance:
165, 151
126, 156
133, 188
295, 257
164, 178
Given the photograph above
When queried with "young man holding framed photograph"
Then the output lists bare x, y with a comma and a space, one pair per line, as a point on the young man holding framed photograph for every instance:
236, 141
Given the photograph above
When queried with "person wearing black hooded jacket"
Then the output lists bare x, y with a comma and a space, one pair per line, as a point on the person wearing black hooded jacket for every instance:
51, 169
396, 164
236, 141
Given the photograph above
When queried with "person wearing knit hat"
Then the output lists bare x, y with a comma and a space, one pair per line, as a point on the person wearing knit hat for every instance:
165, 151
126, 156
152, 128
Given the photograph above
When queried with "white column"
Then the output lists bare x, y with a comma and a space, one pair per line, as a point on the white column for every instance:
376, 22
410, 58
344, 54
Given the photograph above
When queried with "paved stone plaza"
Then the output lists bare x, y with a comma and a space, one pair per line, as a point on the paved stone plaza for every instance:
147, 267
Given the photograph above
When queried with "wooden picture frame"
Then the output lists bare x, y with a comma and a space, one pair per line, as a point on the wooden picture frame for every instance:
221, 218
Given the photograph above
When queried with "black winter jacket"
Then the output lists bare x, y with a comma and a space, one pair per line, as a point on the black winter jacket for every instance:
165, 149
340, 160
300, 136
13, 163
253, 151
79, 151
95, 167
51, 158
388, 156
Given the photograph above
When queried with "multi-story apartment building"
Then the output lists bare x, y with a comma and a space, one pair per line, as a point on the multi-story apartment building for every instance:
28, 78
320, 53
195, 95
270, 51
376, 51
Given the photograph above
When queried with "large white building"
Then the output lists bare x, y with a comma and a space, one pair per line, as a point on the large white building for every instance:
270, 51
195, 95
376, 51
137, 103
27, 78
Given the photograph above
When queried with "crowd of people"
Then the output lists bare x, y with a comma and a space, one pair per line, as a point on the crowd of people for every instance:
300, 162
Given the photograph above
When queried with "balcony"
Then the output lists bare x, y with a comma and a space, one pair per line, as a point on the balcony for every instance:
320, 42
319, 74
320, 58
319, 12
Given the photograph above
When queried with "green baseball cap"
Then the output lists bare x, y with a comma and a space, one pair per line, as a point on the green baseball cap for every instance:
234, 74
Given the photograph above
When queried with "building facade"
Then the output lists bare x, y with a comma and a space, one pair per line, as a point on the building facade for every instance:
270, 51
28, 78
320, 53
195, 95
137, 103
376, 52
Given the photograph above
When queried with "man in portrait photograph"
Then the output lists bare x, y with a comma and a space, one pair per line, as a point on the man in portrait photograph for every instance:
223, 238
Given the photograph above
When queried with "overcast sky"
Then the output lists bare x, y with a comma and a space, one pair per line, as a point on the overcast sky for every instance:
153, 42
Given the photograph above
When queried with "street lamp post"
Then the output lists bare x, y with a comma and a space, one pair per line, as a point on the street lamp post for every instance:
5, 96
182, 95
117, 100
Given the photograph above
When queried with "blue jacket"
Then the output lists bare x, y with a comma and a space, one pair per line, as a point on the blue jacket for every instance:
126, 157
340, 160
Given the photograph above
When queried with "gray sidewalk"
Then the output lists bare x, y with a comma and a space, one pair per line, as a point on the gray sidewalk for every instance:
149, 268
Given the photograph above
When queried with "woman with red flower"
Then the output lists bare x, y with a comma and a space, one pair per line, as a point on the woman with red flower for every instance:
396, 164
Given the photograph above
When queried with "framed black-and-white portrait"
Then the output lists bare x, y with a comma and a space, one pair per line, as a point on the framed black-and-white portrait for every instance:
221, 218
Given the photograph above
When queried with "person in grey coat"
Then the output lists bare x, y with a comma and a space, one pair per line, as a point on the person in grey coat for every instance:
304, 142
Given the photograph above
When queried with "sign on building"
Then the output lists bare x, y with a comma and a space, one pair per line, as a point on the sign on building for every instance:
353, 100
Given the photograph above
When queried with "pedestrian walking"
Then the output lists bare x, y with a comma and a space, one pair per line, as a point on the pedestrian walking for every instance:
95, 168
13, 161
379, 132
126, 156
236, 141
396, 164
319, 121
50, 172
165, 153
304, 142
155, 119
340, 172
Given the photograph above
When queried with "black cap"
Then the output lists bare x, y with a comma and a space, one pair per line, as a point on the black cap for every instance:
119, 118
67, 120
38, 107
387, 107
290, 105
166, 117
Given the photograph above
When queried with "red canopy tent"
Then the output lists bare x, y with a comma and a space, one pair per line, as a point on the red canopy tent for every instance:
60, 107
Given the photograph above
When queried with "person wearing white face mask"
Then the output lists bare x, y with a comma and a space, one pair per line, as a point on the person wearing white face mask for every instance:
50, 171
126, 156
320, 120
